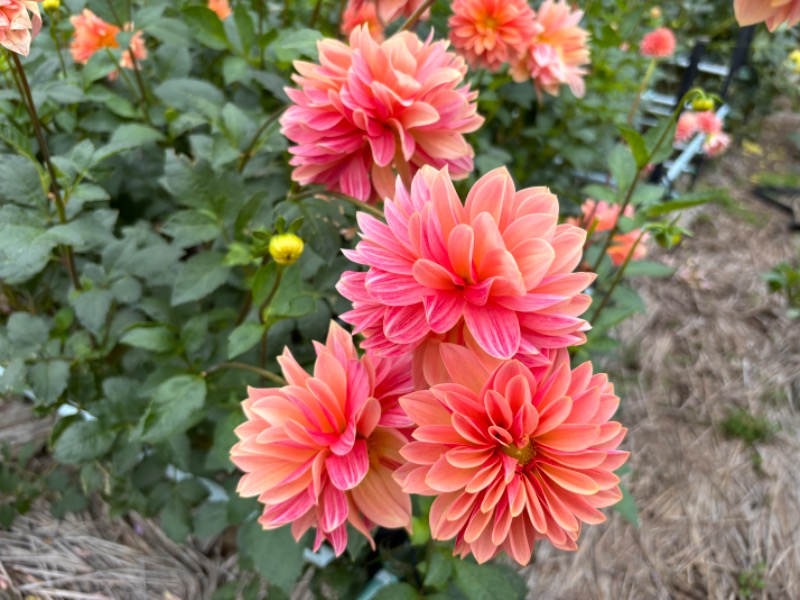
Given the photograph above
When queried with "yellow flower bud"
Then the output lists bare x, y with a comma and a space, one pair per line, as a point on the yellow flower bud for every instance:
703, 104
794, 57
51, 4
285, 248
655, 13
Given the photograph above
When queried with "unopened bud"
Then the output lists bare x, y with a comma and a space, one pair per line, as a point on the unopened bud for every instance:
285, 248
703, 104
51, 4
655, 13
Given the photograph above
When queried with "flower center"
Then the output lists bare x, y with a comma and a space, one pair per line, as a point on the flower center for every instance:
490, 23
522, 455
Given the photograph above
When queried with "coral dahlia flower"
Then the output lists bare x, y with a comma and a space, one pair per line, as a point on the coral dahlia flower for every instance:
221, 8
489, 33
659, 43
498, 266
389, 10
17, 27
716, 143
558, 51
320, 451
358, 13
773, 12
603, 214
708, 122
622, 244
511, 457
93, 34
370, 110
686, 127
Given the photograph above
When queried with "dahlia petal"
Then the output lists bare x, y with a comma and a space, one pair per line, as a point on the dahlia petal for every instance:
496, 329
349, 470
405, 325
333, 509
572, 481
381, 500
443, 310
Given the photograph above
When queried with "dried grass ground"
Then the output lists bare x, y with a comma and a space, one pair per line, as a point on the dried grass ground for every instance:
719, 519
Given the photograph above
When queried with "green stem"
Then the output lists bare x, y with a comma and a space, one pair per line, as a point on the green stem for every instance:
617, 278
315, 15
145, 96
58, 50
412, 20
244, 367
248, 154
66, 249
642, 87
264, 305
362, 206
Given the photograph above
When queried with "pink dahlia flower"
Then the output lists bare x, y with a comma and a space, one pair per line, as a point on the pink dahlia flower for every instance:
17, 27
659, 43
371, 109
773, 12
558, 51
708, 122
716, 143
603, 214
489, 33
686, 127
320, 451
498, 266
362, 13
622, 244
512, 457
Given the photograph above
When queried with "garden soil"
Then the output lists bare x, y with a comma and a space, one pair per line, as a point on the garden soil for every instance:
718, 517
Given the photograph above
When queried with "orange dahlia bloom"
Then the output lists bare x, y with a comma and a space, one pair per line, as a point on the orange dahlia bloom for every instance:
686, 127
358, 13
320, 451
221, 8
371, 110
498, 266
17, 27
622, 244
558, 52
512, 457
92, 34
489, 33
773, 12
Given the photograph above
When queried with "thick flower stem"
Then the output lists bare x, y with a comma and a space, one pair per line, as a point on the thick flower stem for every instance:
642, 87
412, 20
66, 249
617, 278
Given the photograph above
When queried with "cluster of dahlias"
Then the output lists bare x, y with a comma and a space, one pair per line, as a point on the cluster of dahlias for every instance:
92, 34
601, 217
465, 391
706, 122
546, 46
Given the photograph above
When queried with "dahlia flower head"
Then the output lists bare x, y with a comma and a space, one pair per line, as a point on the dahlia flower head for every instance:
358, 13
221, 8
390, 10
558, 52
708, 122
603, 217
772, 12
20, 22
497, 270
370, 109
716, 144
489, 33
624, 244
320, 451
659, 43
512, 457
686, 126
92, 34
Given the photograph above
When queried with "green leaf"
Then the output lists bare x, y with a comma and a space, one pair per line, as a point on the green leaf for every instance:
174, 408
21, 182
211, 519
483, 582
686, 201
27, 332
176, 520
91, 308
236, 125
244, 337
397, 591
636, 144
623, 168
191, 227
87, 231
157, 338
170, 31
127, 137
24, 245
648, 268
244, 24
275, 554
83, 441
627, 506
291, 45
206, 27
49, 379
440, 568
199, 276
